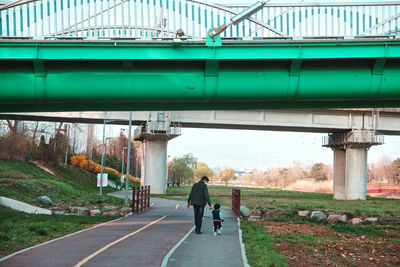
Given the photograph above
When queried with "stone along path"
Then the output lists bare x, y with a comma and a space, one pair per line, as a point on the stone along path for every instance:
140, 240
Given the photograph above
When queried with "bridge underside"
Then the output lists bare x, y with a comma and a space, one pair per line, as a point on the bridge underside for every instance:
76, 75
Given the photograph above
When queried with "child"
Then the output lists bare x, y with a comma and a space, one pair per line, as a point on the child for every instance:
217, 218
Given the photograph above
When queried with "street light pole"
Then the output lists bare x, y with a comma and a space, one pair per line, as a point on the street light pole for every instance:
128, 159
102, 159
123, 163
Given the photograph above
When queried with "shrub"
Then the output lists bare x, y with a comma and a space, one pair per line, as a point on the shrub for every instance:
80, 161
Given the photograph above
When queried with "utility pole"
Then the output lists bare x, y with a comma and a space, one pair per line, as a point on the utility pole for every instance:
102, 159
123, 163
128, 159
66, 145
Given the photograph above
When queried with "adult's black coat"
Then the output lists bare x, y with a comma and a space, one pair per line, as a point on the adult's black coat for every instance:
199, 195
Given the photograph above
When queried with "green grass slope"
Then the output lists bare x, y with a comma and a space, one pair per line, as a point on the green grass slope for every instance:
70, 186
25, 182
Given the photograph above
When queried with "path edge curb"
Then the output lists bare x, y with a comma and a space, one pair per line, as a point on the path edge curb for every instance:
244, 257
166, 258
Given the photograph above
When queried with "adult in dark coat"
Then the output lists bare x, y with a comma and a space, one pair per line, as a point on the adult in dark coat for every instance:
198, 198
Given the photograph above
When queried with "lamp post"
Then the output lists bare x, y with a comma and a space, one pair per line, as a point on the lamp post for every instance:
129, 158
123, 159
102, 157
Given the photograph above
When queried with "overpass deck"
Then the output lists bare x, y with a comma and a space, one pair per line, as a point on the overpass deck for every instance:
386, 121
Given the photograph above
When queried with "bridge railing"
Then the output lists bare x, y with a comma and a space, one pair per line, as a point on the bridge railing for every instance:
160, 19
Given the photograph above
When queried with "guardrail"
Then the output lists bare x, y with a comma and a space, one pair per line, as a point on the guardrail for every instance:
140, 198
162, 18
236, 202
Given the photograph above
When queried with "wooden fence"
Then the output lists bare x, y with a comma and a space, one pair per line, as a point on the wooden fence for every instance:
140, 198
236, 201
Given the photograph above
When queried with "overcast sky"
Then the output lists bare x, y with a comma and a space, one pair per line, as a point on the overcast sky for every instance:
261, 149
250, 149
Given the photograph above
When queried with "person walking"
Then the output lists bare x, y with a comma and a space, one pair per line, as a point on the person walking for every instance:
218, 218
198, 198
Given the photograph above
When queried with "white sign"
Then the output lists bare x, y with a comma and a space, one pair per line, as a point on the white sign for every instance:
105, 179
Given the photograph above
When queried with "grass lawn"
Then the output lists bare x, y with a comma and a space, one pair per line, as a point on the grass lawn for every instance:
292, 201
19, 230
71, 186
282, 238
25, 182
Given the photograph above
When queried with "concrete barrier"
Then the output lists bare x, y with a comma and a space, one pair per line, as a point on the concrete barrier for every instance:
21, 206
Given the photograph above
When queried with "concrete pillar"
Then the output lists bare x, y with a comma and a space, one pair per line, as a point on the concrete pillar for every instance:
339, 174
155, 165
356, 173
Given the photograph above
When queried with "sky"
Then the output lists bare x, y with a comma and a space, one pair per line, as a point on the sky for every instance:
260, 150
251, 149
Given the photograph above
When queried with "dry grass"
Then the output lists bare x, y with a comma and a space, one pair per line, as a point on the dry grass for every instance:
311, 186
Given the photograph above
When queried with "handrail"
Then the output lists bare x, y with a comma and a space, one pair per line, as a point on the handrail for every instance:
164, 18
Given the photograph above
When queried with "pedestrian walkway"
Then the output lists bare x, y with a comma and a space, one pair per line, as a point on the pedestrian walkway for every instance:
209, 250
141, 240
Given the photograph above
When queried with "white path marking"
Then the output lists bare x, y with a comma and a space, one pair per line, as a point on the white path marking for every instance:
169, 254
91, 256
45, 243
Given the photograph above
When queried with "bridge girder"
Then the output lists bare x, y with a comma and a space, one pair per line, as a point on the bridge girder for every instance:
76, 75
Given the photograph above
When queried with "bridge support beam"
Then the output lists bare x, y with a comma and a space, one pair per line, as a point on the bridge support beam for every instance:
155, 165
350, 162
356, 173
339, 173
155, 135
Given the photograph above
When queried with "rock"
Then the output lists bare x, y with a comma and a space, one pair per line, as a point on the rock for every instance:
244, 211
126, 209
343, 218
356, 221
256, 212
318, 215
371, 219
79, 211
334, 218
56, 212
303, 213
95, 212
111, 213
108, 208
254, 217
46, 199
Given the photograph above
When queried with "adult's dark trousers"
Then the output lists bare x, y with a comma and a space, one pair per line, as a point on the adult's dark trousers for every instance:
198, 216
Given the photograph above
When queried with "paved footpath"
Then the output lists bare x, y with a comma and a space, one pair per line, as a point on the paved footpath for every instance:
209, 250
140, 240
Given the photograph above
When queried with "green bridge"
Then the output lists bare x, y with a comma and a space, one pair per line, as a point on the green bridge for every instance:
67, 75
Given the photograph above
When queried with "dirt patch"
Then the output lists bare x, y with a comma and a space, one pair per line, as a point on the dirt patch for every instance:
332, 248
278, 228
43, 167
